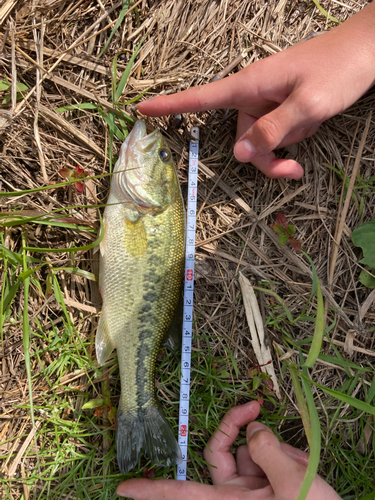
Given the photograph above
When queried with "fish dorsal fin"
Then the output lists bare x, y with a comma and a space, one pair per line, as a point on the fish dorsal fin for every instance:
135, 237
103, 343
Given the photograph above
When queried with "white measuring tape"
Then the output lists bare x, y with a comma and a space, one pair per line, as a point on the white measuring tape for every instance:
187, 324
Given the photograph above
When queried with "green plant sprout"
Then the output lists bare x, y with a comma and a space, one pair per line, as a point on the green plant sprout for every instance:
5, 85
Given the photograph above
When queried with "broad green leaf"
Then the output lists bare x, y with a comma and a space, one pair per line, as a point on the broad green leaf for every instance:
364, 237
366, 279
283, 238
256, 383
94, 403
4, 85
21, 87
8, 97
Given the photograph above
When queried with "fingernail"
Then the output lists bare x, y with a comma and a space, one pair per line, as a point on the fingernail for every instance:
255, 427
249, 146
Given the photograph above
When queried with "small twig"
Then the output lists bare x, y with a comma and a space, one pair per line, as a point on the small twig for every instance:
255, 322
39, 57
224, 72
14, 69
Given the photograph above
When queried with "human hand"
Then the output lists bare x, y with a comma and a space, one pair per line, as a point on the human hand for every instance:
264, 469
284, 98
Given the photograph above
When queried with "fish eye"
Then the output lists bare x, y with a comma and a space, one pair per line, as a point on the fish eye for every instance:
164, 154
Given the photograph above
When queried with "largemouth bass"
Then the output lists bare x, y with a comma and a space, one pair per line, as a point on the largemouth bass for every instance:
141, 271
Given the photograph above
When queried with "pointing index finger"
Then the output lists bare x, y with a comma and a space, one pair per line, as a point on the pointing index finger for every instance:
216, 95
223, 466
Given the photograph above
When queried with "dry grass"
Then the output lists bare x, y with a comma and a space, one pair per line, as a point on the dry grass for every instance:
53, 46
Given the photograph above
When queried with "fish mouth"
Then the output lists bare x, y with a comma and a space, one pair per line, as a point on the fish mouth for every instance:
133, 178
142, 141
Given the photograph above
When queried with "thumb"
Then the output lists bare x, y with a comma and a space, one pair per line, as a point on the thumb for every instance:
283, 472
293, 120
284, 466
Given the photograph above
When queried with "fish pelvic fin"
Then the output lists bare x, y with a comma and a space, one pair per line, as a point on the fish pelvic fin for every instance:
103, 343
146, 429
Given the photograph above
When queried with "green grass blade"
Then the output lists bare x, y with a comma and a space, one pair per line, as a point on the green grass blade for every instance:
82, 105
50, 186
356, 403
71, 249
78, 272
371, 391
26, 338
20, 220
325, 13
10, 296
303, 409
3, 291
125, 7
128, 68
370, 496
316, 344
114, 79
110, 118
315, 444
279, 300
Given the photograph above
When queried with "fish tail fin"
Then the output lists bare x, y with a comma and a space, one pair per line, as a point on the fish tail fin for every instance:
147, 429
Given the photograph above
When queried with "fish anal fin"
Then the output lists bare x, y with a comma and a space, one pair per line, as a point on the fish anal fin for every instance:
103, 343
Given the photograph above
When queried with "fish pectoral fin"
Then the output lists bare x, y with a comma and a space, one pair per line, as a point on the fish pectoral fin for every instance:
135, 237
103, 343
